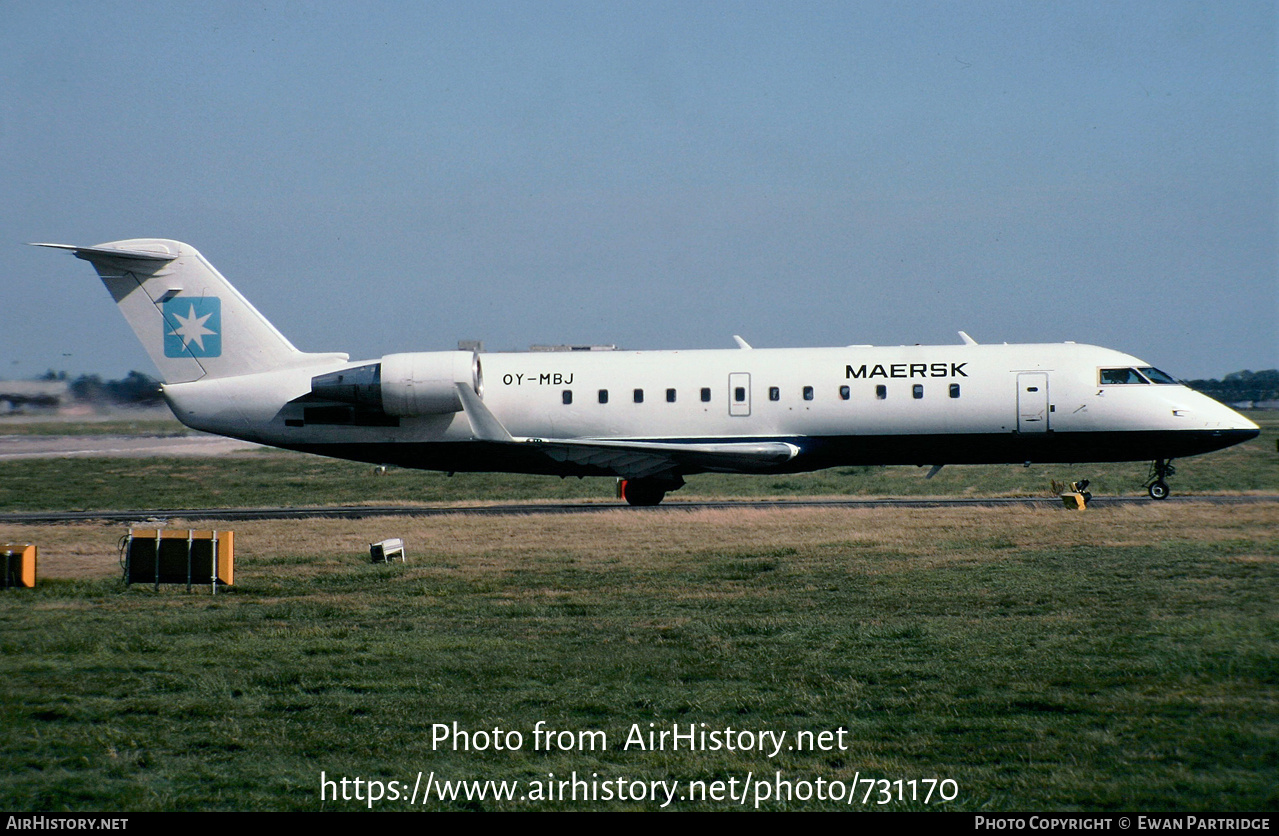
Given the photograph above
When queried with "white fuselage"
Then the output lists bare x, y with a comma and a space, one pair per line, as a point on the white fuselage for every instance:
963, 403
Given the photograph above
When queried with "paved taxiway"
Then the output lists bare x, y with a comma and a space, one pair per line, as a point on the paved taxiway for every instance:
361, 511
48, 446
14, 447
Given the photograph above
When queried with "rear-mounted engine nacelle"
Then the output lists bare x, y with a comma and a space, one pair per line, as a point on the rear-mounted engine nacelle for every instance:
423, 383
426, 383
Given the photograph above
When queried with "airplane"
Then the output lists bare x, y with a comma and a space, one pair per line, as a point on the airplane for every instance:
648, 418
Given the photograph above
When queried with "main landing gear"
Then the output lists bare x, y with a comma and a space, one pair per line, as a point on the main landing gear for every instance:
647, 492
1156, 484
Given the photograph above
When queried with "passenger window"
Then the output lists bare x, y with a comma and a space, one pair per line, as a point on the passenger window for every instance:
774, 394
808, 393
706, 395
568, 396
918, 391
954, 390
639, 396
881, 392
845, 393
670, 396
603, 396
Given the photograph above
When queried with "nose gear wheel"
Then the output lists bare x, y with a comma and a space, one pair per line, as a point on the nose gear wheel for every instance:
1156, 483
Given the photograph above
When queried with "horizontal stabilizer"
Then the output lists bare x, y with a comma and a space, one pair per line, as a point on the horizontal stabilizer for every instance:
92, 254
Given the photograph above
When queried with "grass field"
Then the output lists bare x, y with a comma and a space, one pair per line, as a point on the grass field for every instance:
1115, 659
272, 477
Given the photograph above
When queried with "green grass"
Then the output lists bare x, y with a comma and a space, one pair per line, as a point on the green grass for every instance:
1120, 659
1115, 659
148, 422
293, 479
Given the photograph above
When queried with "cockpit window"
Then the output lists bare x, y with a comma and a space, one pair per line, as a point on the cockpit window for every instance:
1112, 376
1156, 376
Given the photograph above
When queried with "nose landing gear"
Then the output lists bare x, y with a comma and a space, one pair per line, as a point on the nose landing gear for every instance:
1156, 484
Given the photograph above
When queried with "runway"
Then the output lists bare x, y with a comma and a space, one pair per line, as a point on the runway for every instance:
17, 447
529, 509
196, 445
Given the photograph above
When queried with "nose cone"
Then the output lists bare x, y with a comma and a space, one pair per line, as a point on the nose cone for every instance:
1225, 426
1219, 414
1231, 437
1200, 424
1246, 424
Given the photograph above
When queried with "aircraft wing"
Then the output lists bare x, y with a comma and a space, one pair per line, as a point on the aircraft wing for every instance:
639, 459
633, 459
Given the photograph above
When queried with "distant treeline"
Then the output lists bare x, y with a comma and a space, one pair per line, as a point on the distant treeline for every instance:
136, 389
1241, 386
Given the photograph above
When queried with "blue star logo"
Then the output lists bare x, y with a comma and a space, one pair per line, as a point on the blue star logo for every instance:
193, 326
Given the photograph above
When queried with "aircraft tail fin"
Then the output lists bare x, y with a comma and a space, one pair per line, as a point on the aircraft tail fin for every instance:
190, 319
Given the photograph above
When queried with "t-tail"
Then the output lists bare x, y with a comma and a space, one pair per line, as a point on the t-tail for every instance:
190, 319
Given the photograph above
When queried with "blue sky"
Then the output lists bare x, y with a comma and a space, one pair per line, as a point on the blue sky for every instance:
390, 177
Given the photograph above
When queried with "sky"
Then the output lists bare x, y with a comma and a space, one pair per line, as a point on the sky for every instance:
386, 177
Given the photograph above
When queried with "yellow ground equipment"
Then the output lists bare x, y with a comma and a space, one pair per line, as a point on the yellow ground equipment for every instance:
1078, 496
